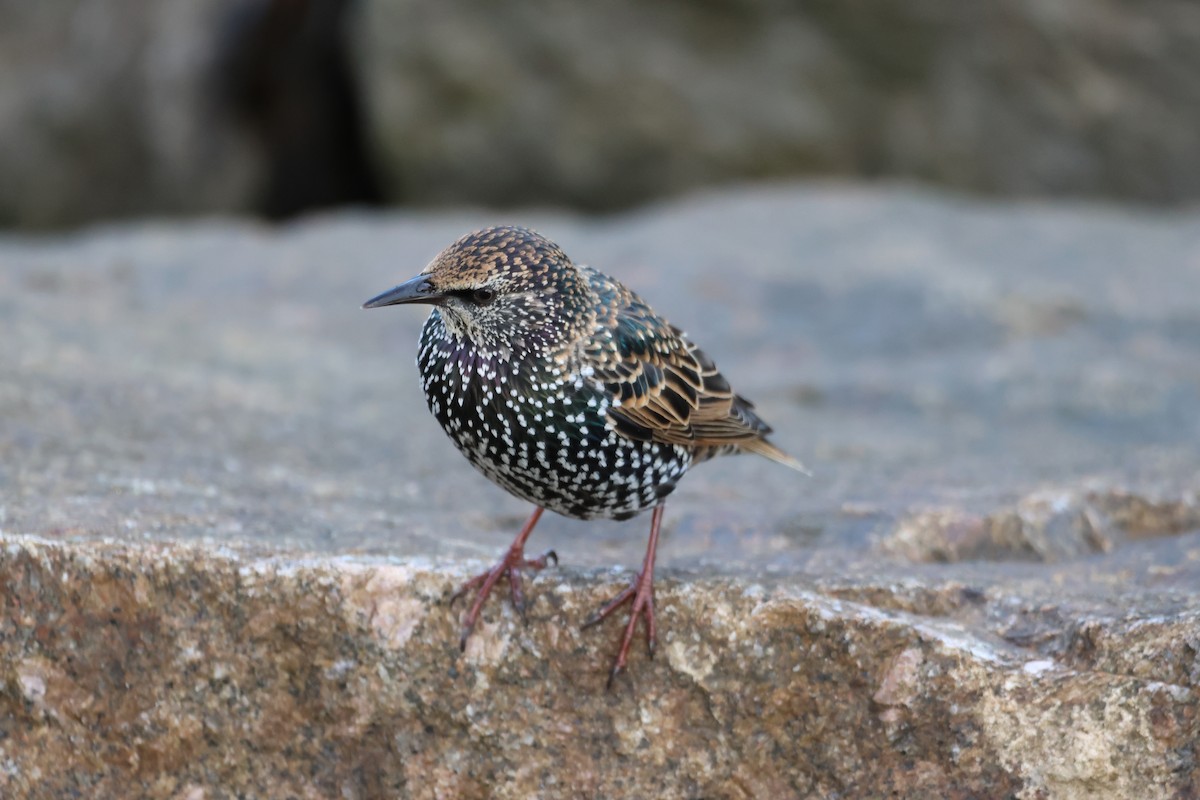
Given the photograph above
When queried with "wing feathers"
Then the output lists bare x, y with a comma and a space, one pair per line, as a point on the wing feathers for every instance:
668, 389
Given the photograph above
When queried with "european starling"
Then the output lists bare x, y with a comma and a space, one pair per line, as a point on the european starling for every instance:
565, 388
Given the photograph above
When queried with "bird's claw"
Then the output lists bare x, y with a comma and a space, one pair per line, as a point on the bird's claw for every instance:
510, 566
612, 676
612, 605
518, 593
466, 587
640, 594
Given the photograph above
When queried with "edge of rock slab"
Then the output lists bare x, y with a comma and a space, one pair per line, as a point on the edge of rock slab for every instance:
181, 671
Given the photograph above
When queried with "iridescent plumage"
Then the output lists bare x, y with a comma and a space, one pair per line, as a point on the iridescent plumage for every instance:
562, 386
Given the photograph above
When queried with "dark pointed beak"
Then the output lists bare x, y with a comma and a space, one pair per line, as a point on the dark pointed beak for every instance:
417, 290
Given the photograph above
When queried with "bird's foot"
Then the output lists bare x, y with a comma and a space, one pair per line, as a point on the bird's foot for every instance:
640, 595
511, 565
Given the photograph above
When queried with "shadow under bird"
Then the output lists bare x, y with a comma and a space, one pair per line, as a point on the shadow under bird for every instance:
562, 386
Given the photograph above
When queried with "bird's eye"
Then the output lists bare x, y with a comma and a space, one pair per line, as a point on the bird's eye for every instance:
483, 296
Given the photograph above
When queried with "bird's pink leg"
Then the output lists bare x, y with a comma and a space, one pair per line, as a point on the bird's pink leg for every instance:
511, 565
640, 595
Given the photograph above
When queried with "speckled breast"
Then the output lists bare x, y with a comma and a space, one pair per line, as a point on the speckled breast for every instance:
538, 428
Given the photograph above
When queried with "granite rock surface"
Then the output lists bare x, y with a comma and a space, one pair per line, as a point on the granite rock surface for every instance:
605, 105
167, 671
230, 527
107, 110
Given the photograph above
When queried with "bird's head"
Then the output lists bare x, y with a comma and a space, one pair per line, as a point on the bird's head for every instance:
503, 288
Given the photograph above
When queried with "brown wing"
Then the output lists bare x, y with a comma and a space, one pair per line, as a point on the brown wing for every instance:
665, 389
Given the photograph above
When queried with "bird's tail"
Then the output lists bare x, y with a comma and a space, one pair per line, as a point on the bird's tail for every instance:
764, 448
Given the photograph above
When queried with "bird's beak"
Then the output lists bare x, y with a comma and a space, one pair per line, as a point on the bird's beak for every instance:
417, 290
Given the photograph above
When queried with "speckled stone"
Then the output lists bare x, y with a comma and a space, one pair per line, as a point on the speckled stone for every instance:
171, 671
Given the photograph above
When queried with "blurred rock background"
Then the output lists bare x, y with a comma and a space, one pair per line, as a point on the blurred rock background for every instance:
116, 108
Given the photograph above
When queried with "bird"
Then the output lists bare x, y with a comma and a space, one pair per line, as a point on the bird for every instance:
565, 388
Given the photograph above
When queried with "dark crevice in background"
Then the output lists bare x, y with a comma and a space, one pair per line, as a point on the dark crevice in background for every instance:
284, 71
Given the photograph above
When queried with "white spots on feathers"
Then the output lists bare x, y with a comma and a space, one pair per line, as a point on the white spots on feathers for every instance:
533, 418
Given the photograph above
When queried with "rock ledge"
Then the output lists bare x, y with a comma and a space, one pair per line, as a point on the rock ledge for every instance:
183, 671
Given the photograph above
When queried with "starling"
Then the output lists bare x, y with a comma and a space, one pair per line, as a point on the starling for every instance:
562, 386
